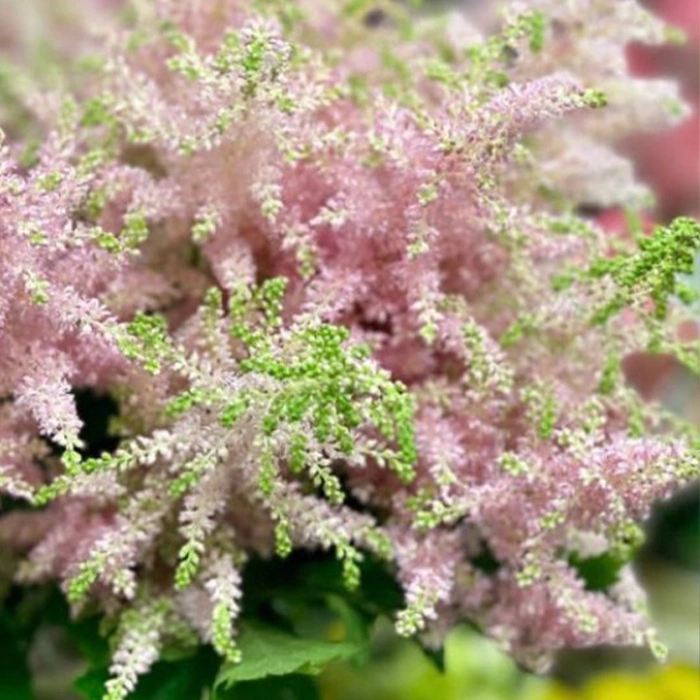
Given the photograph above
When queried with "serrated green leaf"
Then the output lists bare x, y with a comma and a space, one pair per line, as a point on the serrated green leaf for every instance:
294, 687
268, 651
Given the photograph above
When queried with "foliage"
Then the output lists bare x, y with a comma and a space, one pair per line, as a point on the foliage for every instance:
333, 281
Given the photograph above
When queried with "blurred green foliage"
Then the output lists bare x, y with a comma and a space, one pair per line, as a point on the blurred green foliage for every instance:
475, 669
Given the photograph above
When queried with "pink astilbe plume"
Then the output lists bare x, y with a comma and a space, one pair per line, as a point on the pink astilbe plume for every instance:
335, 279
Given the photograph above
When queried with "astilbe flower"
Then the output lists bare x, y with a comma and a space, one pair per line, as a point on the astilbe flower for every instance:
311, 259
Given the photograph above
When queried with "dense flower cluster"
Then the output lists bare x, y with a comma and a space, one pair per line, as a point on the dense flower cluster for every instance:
334, 278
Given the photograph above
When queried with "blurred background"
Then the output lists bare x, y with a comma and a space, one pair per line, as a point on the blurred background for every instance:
669, 563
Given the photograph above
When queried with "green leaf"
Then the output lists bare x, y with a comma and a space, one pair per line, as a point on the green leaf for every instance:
294, 687
269, 651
